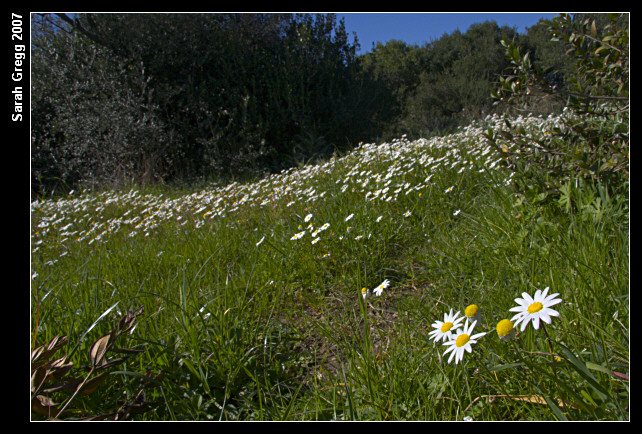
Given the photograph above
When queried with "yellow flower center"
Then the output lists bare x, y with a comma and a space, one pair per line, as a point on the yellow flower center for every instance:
447, 326
535, 307
462, 340
471, 310
504, 327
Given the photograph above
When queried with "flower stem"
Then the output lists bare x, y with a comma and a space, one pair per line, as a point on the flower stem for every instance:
550, 346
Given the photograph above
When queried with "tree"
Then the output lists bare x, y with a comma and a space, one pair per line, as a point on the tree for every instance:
592, 142
232, 94
92, 116
392, 73
453, 86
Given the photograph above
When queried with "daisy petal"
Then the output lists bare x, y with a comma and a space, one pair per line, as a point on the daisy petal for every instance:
552, 312
521, 302
525, 321
451, 356
552, 302
516, 319
527, 298
545, 317
477, 336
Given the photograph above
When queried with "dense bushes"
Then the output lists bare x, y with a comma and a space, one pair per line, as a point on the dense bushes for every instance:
122, 98
592, 140
92, 118
454, 86
183, 96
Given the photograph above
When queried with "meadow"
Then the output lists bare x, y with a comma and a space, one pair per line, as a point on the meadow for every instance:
370, 286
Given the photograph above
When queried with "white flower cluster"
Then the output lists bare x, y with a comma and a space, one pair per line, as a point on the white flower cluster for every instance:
460, 339
94, 217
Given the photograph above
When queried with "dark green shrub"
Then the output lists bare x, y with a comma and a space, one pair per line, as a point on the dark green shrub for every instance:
592, 141
92, 117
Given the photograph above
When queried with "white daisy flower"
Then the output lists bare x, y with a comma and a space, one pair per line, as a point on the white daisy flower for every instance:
349, 217
377, 291
364, 293
535, 308
307, 218
462, 341
207, 315
298, 235
444, 329
260, 241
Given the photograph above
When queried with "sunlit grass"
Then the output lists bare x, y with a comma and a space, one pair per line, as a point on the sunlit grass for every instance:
253, 292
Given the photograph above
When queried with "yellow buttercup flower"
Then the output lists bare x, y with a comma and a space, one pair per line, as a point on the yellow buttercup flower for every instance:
505, 330
473, 312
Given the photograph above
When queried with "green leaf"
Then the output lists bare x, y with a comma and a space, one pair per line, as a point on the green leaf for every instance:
506, 366
137, 375
97, 320
607, 371
555, 409
581, 369
190, 367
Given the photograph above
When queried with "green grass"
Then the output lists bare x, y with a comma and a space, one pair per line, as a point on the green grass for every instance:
246, 323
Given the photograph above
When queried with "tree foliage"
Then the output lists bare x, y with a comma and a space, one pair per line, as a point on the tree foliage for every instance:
453, 86
122, 98
223, 94
93, 117
593, 140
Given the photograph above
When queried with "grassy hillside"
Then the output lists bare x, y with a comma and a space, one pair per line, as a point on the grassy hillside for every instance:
259, 303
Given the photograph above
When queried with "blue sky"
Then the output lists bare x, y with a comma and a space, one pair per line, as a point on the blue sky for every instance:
421, 27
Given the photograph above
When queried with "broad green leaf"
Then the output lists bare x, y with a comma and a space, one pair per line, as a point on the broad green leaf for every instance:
596, 367
555, 409
581, 369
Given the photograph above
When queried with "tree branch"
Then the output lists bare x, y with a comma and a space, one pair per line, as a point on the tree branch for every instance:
75, 25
